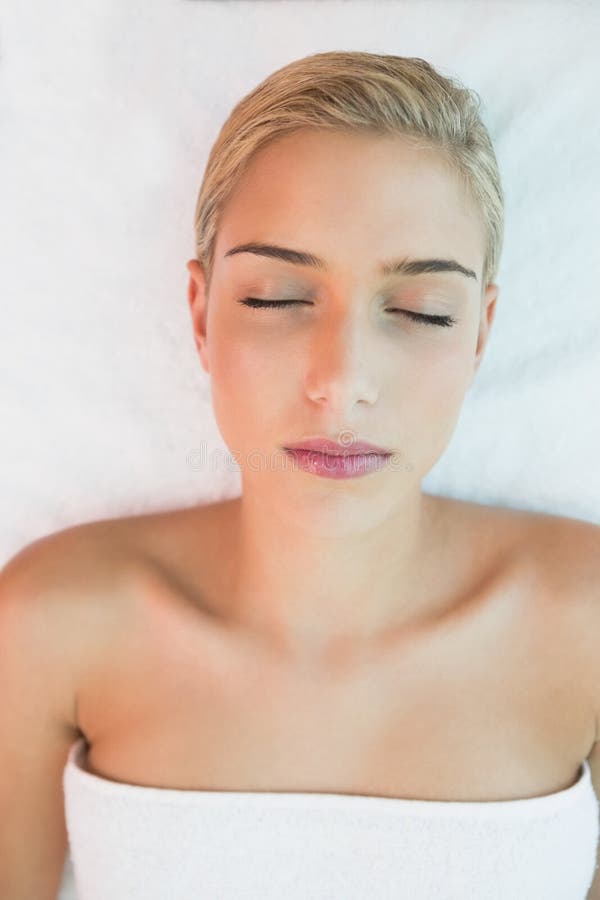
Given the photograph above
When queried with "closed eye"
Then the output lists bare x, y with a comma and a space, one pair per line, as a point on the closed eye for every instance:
444, 321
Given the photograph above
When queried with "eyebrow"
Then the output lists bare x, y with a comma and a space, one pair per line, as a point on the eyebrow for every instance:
405, 266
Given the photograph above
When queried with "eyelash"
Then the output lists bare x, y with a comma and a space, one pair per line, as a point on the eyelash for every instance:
443, 321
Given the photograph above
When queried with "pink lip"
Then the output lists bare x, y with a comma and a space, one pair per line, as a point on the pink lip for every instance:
324, 445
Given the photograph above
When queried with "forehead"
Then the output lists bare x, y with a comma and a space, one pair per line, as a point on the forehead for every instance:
351, 198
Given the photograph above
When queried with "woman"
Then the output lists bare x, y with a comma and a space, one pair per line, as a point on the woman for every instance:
334, 685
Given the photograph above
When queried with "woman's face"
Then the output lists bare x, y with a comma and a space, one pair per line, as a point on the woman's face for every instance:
342, 360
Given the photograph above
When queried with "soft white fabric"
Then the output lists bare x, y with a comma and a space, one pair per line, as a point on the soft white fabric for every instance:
131, 842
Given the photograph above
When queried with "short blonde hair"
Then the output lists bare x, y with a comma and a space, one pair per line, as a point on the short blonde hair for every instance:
366, 92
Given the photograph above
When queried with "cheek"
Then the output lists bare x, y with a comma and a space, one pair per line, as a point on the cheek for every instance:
436, 372
247, 388
247, 369
254, 362
428, 396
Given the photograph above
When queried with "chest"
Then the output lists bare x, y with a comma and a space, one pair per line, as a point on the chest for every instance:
481, 707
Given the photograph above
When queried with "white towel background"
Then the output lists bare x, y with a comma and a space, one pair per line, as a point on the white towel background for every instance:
108, 113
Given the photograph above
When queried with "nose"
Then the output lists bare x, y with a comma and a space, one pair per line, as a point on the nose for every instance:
342, 369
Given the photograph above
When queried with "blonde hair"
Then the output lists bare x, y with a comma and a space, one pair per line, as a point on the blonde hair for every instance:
366, 92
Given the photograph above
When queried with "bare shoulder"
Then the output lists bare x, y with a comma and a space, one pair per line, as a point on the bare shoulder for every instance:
560, 554
73, 564
571, 548
549, 543
556, 558
65, 595
95, 565
568, 553
89, 578
563, 560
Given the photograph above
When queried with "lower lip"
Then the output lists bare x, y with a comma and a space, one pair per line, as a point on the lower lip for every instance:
328, 466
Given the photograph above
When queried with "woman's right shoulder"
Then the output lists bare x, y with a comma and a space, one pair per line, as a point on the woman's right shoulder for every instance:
72, 561
74, 585
59, 611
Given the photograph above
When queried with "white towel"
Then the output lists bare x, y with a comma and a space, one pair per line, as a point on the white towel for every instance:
138, 843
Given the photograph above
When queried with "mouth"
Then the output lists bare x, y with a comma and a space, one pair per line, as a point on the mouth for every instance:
338, 465
329, 447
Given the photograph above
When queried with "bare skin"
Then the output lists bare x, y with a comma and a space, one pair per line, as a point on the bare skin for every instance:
466, 704
346, 362
341, 636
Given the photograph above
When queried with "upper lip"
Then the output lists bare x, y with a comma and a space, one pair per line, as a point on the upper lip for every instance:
326, 445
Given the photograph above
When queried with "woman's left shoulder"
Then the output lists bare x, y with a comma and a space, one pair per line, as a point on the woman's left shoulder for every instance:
556, 546
555, 558
559, 561
557, 549
566, 552
569, 548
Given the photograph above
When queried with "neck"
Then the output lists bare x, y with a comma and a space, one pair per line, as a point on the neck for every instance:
311, 576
